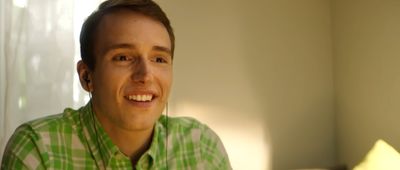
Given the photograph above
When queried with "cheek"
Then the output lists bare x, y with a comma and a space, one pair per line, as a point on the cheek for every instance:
166, 80
110, 79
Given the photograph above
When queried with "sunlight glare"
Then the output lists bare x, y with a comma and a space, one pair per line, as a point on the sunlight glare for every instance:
20, 3
81, 12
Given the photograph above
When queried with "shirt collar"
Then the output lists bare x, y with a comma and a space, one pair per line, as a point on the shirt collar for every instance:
103, 149
100, 144
157, 146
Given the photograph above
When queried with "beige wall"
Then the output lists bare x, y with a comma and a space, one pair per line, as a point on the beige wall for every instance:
367, 75
260, 73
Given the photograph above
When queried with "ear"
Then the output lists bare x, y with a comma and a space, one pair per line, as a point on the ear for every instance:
85, 76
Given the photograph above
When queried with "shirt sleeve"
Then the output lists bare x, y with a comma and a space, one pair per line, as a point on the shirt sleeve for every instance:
213, 151
21, 151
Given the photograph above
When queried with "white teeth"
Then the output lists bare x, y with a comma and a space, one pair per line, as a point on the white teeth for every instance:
148, 97
141, 98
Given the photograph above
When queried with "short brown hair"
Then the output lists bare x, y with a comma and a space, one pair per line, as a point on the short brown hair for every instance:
146, 7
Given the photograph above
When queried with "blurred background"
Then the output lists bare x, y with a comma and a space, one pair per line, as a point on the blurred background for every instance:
287, 84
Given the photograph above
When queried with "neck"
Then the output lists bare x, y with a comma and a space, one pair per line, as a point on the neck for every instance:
132, 143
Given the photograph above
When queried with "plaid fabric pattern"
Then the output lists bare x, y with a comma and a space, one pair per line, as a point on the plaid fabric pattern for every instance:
76, 140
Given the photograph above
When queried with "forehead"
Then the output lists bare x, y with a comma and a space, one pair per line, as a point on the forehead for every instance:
129, 27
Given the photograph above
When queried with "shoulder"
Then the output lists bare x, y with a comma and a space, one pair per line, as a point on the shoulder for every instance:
36, 129
187, 127
187, 133
68, 118
25, 147
48, 130
44, 127
184, 124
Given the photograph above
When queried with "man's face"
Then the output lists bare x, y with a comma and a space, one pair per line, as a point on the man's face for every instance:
133, 71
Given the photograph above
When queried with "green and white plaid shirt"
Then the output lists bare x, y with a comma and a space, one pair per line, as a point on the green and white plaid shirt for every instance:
76, 140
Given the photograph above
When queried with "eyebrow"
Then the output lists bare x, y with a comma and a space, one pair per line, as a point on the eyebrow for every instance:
130, 46
118, 46
163, 49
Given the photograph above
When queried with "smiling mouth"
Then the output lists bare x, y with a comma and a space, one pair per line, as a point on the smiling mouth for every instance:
140, 98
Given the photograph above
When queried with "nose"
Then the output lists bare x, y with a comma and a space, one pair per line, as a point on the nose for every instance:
142, 72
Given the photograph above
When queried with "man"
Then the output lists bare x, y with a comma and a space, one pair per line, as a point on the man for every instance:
127, 51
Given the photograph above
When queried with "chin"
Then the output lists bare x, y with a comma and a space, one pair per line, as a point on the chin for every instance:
142, 123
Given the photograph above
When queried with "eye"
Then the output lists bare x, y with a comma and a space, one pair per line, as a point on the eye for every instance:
121, 58
160, 60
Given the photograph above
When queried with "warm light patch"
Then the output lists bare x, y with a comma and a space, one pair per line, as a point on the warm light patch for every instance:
247, 143
381, 156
